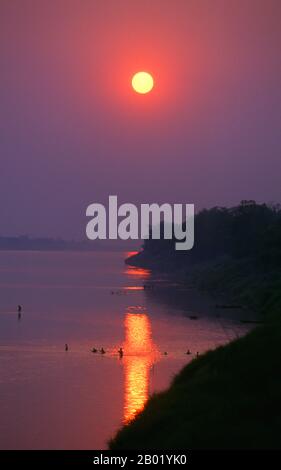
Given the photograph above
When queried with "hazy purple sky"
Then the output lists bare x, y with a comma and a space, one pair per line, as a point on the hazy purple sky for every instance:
72, 131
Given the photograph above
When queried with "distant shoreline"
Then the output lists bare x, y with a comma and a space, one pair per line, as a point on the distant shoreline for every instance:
25, 243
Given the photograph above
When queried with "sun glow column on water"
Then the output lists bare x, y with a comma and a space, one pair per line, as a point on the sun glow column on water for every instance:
140, 354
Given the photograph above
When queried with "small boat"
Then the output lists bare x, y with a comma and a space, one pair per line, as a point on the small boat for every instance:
255, 322
228, 306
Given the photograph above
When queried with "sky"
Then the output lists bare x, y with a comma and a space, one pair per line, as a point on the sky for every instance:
73, 132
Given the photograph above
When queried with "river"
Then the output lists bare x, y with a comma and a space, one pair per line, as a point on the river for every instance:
77, 399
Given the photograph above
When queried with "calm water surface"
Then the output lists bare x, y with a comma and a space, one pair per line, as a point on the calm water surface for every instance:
52, 399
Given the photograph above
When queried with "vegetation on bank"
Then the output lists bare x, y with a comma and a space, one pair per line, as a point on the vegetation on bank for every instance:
248, 231
230, 397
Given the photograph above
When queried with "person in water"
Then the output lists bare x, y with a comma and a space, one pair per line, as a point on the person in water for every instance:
94, 350
19, 311
188, 352
102, 351
66, 347
121, 353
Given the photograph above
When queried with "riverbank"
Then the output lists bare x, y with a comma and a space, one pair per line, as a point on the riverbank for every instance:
227, 399
230, 397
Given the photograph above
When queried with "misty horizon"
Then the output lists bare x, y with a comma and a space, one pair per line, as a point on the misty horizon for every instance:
73, 131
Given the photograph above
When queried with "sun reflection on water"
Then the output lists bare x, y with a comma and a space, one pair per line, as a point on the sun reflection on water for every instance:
140, 353
132, 271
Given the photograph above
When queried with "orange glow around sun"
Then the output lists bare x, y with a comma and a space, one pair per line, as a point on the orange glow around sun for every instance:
142, 82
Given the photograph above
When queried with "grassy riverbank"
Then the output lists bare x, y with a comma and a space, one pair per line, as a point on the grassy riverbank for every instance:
230, 397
